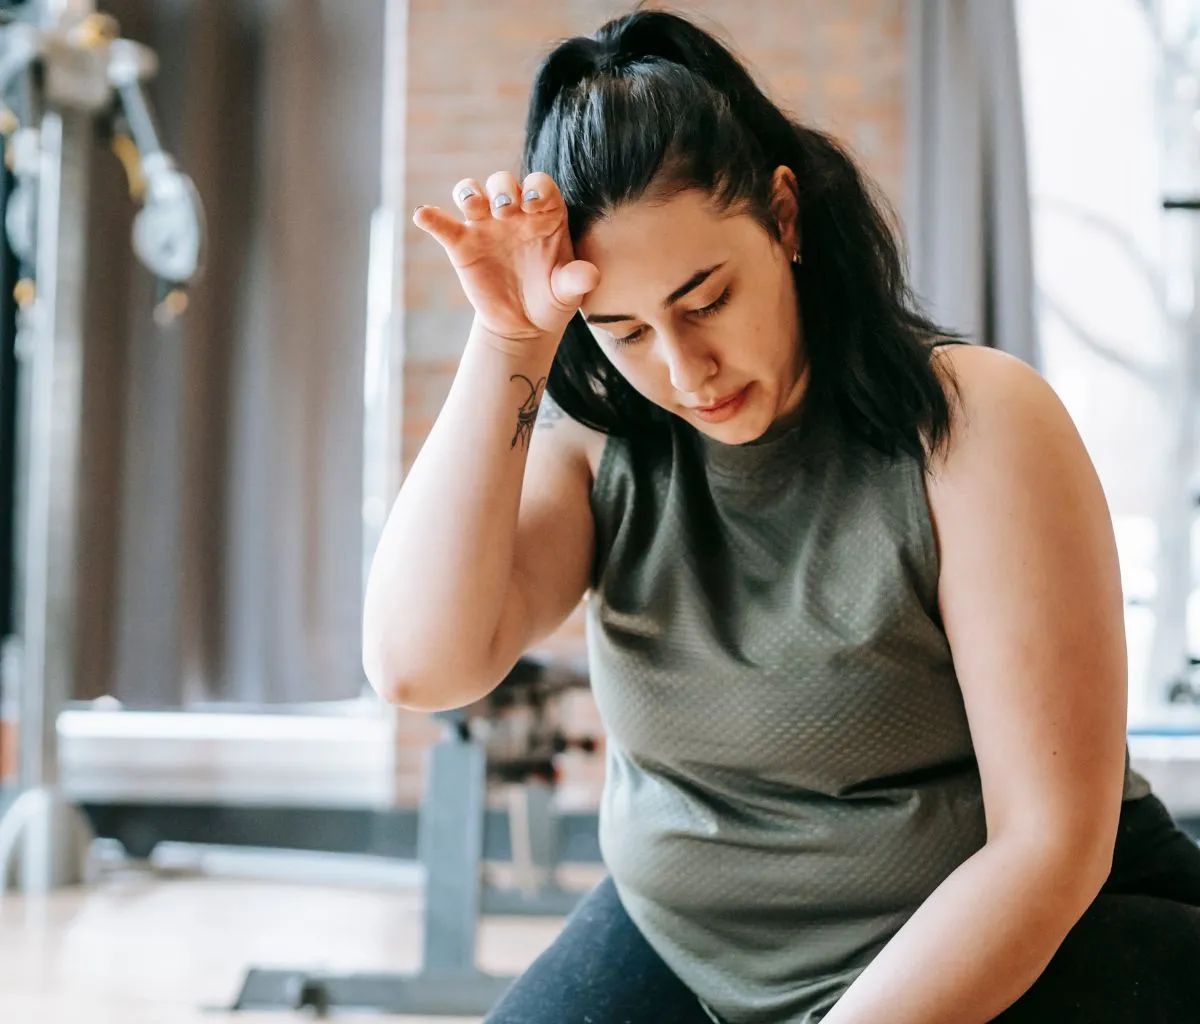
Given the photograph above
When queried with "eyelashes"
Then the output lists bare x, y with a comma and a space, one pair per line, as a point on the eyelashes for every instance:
705, 311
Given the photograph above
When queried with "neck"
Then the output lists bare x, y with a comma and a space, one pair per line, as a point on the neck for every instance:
793, 406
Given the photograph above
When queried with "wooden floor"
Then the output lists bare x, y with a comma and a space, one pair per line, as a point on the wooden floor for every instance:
143, 949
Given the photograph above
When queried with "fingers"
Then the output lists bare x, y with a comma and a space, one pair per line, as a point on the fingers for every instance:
470, 197
539, 193
445, 229
503, 194
502, 198
572, 281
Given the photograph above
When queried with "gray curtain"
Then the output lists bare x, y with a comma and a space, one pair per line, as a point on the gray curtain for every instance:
968, 217
221, 528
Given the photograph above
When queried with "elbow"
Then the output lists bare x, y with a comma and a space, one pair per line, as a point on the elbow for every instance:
378, 665
410, 692
393, 678
1100, 862
389, 685
1087, 850
396, 684
1066, 841
442, 687
413, 696
1072, 868
1083, 868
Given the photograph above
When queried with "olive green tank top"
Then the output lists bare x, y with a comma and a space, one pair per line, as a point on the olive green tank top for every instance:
789, 770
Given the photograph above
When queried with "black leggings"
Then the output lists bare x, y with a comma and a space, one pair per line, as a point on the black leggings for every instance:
1134, 956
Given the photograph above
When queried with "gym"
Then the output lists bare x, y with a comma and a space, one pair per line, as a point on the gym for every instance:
225, 339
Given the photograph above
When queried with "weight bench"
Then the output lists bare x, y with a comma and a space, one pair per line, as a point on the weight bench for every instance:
511, 737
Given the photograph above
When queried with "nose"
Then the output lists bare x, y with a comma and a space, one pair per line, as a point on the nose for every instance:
690, 363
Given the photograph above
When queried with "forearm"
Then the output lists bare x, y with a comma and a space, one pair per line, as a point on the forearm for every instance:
442, 570
976, 944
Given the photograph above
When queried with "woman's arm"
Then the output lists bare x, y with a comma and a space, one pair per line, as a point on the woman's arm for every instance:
455, 552
1030, 595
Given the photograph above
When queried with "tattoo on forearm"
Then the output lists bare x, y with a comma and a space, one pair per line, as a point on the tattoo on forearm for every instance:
528, 410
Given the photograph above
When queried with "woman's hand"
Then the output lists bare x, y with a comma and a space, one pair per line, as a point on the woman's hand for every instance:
513, 257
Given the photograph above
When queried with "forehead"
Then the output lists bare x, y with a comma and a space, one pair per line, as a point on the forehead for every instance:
644, 250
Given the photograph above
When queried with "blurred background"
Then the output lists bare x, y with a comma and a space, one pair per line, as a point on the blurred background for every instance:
222, 343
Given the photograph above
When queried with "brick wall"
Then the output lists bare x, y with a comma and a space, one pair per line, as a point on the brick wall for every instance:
839, 64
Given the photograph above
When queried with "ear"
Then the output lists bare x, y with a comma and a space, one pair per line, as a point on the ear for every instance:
785, 204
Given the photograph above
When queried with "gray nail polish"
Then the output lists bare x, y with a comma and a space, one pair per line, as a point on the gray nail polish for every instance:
502, 200
465, 193
531, 195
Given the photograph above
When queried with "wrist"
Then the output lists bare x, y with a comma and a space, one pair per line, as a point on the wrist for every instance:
536, 347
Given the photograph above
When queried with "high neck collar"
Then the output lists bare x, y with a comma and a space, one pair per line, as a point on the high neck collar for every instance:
780, 447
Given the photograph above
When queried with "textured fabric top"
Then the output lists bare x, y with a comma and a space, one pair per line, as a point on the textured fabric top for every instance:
790, 771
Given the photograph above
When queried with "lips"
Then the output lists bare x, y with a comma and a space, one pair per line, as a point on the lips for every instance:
725, 410
717, 405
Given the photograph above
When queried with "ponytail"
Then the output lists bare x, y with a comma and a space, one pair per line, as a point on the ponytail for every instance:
652, 105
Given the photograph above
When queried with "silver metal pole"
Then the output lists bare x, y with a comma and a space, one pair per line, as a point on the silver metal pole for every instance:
55, 420
52, 853
42, 833
83, 61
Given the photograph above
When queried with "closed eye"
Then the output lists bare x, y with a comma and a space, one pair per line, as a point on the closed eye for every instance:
705, 311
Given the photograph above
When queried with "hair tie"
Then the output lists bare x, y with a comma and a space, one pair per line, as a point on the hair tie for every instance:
606, 58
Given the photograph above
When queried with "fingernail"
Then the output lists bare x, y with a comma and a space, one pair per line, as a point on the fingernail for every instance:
501, 200
465, 193
531, 195
421, 207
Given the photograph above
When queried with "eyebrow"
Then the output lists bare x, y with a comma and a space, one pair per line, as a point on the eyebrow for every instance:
692, 283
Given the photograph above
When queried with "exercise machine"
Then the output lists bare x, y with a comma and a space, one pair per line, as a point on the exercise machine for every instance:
509, 741
66, 76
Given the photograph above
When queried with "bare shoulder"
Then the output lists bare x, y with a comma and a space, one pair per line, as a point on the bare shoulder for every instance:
570, 437
999, 406
984, 374
1015, 474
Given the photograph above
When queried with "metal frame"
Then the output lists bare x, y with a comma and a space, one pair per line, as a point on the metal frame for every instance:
391, 834
50, 831
452, 850
86, 73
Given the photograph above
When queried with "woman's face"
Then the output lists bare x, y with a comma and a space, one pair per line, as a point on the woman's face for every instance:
694, 307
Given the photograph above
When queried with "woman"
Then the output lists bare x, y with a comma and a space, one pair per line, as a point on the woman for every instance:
855, 619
